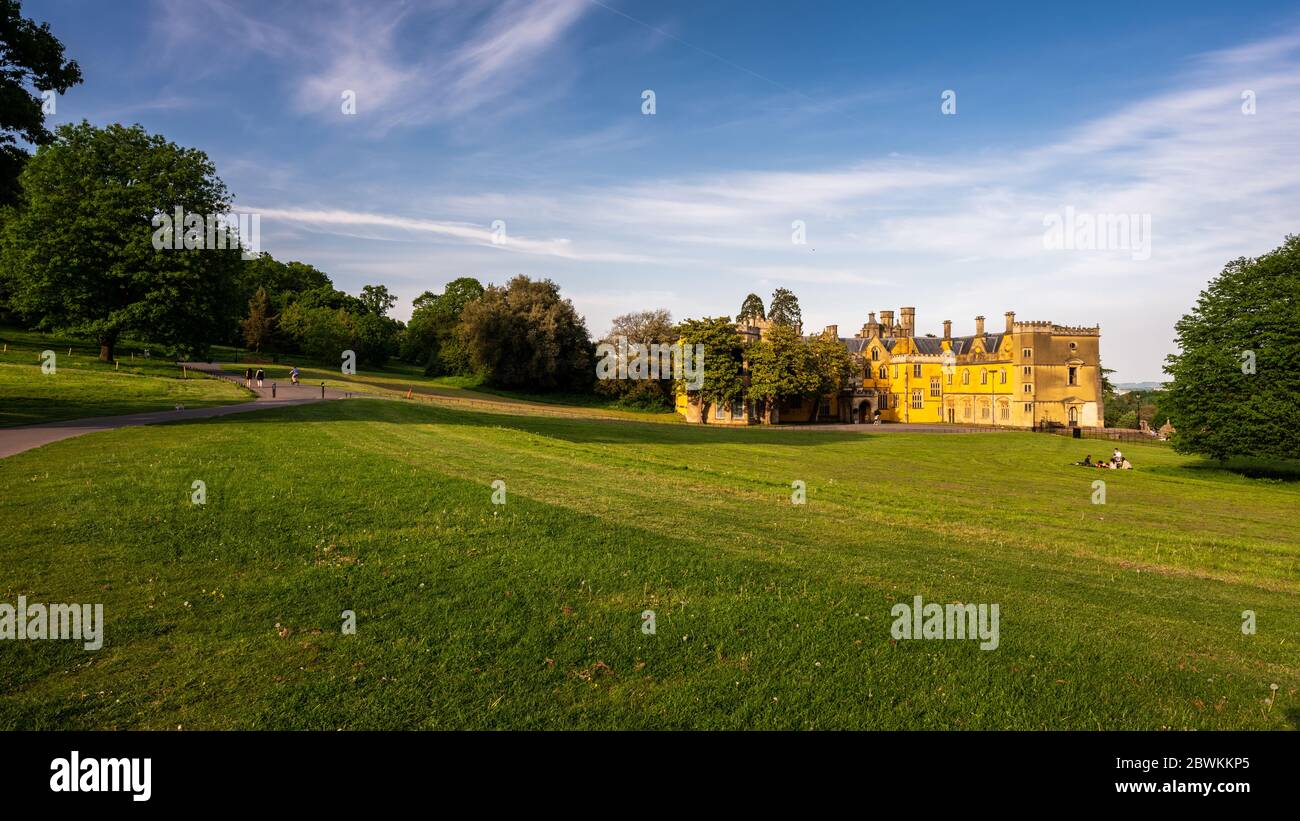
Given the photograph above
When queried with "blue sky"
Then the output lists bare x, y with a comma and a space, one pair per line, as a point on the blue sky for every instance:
765, 114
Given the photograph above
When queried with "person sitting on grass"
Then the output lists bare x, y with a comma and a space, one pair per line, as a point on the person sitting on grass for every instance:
1087, 461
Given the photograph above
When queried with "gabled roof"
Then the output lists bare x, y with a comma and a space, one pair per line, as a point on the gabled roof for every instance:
929, 345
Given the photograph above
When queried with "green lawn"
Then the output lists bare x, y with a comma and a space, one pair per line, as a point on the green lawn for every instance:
80, 385
466, 391
527, 615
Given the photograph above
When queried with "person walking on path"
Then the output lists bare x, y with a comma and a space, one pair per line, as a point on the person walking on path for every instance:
248, 377
260, 375
293, 375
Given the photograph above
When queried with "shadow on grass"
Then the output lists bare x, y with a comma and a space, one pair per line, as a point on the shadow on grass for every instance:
1277, 470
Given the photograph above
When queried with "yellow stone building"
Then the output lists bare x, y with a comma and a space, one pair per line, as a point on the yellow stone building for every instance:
1024, 375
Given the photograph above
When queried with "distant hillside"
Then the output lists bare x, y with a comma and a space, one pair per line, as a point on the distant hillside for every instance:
1140, 386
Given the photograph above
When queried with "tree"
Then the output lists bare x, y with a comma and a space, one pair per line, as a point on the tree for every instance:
321, 332
1236, 378
258, 327
723, 380
80, 255
752, 307
643, 327
525, 336
377, 299
283, 281
431, 339
831, 362
784, 309
781, 365
30, 55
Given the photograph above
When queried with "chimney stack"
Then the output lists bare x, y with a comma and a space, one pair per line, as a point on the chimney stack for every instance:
1011, 320
872, 329
907, 317
947, 329
979, 326
832, 332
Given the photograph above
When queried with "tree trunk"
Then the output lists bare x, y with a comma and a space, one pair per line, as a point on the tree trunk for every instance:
106, 345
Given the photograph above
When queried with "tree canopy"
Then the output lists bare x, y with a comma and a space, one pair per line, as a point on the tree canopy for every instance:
78, 256
431, 339
30, 55
752, 307
784, 309
1237, 374
723, 364
526, 336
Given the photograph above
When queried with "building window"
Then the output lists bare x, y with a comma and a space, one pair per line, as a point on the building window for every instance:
895, 371
949, 377
1074, 345
984, 411
1003, 374
1074, 416
1028, 370
884, 401
1029, 388
1005, 410
875, 354
984, 377
719, 411
916, 370
1027, 353
1074, 376
824, 408
965, 376
1029, 407
738, 410
918, 399
884, 374
935, 388
966, 410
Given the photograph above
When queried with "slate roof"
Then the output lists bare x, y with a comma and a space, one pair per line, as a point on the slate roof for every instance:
931, 345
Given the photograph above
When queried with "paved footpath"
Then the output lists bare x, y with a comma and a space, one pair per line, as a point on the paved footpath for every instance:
26, 437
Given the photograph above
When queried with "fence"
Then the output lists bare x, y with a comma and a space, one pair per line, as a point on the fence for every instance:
1103, 434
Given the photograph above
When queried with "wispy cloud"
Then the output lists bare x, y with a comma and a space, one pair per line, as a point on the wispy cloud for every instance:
407, 65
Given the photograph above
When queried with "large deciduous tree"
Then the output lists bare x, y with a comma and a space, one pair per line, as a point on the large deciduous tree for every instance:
1236, 378
431, 339
781, 366
724, 379
30, 55
79, 254
526, 336
646, 328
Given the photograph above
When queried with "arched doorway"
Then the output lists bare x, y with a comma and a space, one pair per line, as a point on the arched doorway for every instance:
863, 412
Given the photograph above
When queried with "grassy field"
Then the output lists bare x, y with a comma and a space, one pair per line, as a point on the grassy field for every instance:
82, 386
528, 614
468, 392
